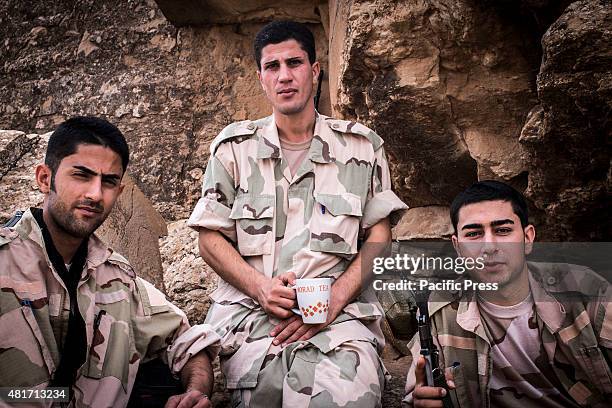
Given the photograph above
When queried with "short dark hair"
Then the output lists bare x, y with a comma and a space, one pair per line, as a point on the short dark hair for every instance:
283, 30
490, 190
79, 130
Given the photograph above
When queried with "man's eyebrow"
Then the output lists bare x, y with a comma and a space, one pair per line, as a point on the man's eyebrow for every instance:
89, 171
497, 223
471, 226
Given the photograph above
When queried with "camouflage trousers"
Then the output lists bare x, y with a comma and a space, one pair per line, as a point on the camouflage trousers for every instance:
300, 375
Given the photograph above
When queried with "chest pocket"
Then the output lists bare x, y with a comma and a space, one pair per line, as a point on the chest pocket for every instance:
596, 368
112, 340
25, 359
334, 226
254, 215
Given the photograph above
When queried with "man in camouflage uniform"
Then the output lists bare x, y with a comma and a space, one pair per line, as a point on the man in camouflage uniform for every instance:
72, 311
288, 196
543, 339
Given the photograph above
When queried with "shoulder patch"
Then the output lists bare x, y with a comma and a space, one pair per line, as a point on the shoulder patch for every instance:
243, 128
346, 126
7, 235
117, 259
563, 278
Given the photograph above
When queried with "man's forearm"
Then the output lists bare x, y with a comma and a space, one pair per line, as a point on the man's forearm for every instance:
223, 258
349, 285
197, 374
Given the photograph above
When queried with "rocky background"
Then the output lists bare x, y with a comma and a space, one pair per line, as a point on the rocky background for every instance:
461, 90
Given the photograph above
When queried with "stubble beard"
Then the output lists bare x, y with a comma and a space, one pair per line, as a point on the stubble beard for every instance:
63, 219
295, 108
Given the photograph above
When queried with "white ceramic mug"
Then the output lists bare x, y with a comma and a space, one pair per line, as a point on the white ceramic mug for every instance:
313, 299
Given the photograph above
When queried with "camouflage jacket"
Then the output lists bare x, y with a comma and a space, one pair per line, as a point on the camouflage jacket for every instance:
127, 320
574, 317
308, 223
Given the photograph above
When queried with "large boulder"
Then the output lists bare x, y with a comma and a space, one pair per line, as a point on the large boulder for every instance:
188, 279
567, 136
20, 153
447, 84
133, 228
424, 223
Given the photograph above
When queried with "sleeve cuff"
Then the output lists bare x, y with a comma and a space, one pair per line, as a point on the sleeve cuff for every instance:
212, 215
197, 338
380, 207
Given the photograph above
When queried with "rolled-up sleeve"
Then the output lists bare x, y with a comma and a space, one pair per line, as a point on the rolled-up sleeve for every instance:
381, 201
414, 346
162, 330
191, 342
218, 192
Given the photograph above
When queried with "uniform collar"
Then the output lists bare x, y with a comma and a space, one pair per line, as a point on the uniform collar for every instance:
97, 252
547, 307
269, 143
321, 148
468, 315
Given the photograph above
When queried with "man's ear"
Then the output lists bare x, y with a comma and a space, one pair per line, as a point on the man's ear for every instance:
316, 68
530, 234
43, 178
121, 187
455, 244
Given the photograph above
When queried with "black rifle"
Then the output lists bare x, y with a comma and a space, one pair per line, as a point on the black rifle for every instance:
317, 97
433, 373
13, 221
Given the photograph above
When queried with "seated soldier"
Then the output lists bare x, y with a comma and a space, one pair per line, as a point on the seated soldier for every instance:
529, 343
283, 197
72, 311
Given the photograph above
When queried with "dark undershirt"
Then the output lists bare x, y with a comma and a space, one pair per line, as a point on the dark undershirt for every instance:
76, 337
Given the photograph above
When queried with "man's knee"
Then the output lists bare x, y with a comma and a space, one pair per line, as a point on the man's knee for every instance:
352, 375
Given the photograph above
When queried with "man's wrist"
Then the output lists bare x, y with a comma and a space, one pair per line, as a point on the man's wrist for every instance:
198, 390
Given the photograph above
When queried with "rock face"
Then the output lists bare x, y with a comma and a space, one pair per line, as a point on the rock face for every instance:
453, 85
446, 83
567, 136
188, 12
132, 228
20, 153
188, 280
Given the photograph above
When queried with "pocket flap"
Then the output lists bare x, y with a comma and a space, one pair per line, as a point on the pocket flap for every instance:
253, 206
340, 204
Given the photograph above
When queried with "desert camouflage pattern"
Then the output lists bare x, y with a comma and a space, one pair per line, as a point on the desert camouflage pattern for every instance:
127, 320
573, 316
521, 376
301, 376
308, 223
